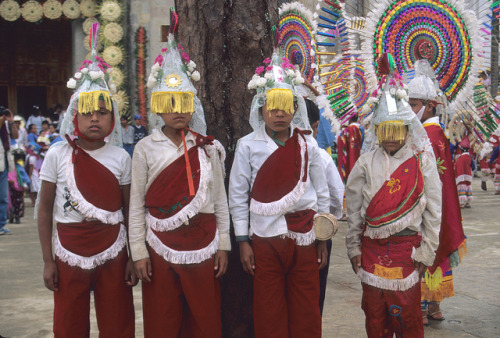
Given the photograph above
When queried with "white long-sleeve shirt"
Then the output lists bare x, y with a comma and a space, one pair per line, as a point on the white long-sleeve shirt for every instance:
153, 154
251, 152
335, 184
365, 180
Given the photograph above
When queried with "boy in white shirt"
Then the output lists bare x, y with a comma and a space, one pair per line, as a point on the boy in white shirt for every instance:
179, 219
87, 181
276, 187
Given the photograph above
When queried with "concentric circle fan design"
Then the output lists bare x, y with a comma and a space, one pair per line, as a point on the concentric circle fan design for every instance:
440, 31
296, 30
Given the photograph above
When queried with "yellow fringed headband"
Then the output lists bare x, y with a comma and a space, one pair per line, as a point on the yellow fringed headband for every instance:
172, 102
280, 99
89, 102
391, 131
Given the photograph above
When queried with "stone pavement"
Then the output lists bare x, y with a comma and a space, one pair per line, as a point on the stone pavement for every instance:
26, 306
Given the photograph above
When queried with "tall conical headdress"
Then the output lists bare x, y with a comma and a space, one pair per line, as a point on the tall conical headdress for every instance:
170, 81
92, 83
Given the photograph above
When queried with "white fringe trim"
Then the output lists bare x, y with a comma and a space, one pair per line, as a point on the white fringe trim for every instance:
399, 225
84, 207
182, 257
389, 284
302, 239
191, 209
282, 205
463, 178
88, 263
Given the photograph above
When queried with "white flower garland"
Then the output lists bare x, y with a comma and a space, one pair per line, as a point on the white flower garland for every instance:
32, 11
52, 9
87, 24
10, 10
113, 55
88, 8
111, 10
113, 32
71, 9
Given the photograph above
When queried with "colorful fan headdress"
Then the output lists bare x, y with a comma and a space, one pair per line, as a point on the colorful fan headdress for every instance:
170, 82
440, 31
275, 83
297, 29
92, 83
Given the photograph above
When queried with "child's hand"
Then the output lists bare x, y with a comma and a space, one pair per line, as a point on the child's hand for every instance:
322, 254
220, 263
50, 276
356, 263
247, 258
130, 275
420, 267
144, 270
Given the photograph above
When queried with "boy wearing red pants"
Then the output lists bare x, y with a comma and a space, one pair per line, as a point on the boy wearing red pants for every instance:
393, 213
179, 220
277, 186
86, 185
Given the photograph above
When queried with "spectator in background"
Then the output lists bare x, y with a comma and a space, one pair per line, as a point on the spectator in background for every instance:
127, 136
8, 130
36, 118
59, 112
140, 131
32, 133
22, 140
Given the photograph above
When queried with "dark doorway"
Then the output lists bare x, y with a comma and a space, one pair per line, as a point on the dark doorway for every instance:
28, 96
36, 64
3, 96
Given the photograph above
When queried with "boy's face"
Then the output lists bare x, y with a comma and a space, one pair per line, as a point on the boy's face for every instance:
276, 120
176, 121
393, 146
52, 130
123, 122
137, 122
45, 126
97, 124
33, 130
417, 104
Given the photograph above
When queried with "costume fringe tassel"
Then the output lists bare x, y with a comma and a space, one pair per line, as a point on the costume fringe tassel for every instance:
277, 207
89, 102
456, 256
182, 257
389, 284
433, 281
88, 263
82, 205
280, 99
302, 239
398, 225
172, 102
445, 290
193, 208
391, 131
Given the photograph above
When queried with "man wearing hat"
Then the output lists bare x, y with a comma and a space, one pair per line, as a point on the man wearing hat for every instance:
140, 131
423, 92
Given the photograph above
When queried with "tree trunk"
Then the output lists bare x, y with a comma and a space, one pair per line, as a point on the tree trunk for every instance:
228, 39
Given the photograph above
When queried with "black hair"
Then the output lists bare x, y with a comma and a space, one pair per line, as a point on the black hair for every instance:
123, 117
354, 118
312, 111
31, 126
45, 122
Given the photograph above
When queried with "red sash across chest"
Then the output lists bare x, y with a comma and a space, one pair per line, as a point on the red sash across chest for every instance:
393, 204
280, 181
169, 192
96, 183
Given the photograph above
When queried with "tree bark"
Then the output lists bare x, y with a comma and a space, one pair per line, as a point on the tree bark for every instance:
228, 39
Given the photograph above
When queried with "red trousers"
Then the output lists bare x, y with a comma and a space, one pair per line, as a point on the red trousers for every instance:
392, 312
182, 300
113, 300
286, 289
